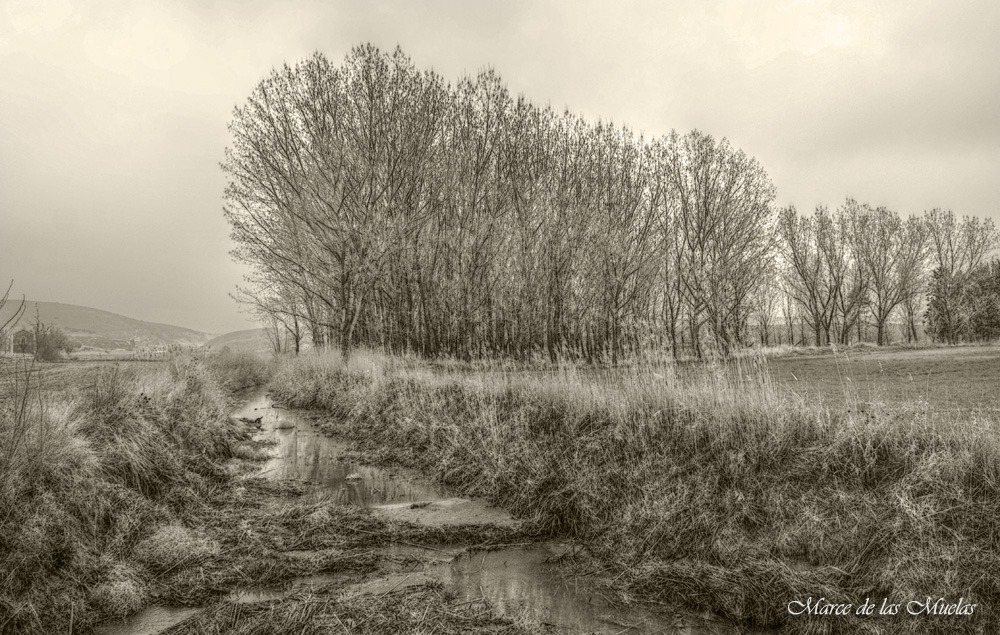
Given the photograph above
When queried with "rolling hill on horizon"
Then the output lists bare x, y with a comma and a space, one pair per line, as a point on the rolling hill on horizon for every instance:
252, 340
102, 329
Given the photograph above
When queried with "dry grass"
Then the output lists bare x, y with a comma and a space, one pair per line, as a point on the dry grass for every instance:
121, 593
93, 458
711, 486
238, 370
171, 545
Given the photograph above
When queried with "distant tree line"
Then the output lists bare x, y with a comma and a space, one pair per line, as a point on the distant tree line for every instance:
378, 205
858, 265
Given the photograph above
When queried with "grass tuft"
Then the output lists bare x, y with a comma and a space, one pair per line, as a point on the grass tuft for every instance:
122, 593
172, 545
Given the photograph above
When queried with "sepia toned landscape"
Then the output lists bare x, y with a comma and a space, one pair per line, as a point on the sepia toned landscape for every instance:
479, 362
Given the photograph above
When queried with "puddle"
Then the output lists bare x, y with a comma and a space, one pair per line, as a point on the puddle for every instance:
147, 622
516, 581
303, 452
447, 511
513, 581
304, 584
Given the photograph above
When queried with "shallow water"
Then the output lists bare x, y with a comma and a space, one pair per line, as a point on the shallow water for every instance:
526, 580
149, 621
514, 581
304, 452
304, 584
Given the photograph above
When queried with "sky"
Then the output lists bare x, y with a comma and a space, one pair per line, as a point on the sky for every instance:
113, 115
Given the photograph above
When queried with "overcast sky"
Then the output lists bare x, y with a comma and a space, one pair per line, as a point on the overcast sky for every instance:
113, 114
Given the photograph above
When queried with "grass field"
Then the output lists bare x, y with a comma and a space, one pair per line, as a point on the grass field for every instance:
60, 379
735, 488
944, 378
730, 487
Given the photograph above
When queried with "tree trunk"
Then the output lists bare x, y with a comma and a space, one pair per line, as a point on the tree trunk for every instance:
347, 333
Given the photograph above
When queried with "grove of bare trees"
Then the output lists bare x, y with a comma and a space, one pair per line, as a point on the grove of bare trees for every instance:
860, 266
379, 205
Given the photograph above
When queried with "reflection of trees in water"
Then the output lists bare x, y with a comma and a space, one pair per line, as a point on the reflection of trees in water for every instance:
305, 454
516, 580
511, 580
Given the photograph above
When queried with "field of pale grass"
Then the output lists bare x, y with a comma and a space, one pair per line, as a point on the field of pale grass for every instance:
958, 379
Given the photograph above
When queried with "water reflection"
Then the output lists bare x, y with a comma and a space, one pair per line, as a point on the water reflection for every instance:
521, 581
303, 452
513, 582
147, 622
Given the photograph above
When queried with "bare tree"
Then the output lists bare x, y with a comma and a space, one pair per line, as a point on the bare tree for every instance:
278, 309
765, 305
848, 276
806, 252
723, 203
892, 253
333, 156
388, 208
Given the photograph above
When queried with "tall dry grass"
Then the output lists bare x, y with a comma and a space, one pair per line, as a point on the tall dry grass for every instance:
708, 487
84, 482
237, 370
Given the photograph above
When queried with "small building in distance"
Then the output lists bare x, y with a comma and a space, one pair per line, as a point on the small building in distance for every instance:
20, 342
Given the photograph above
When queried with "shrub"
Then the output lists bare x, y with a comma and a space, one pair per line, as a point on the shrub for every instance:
51, 343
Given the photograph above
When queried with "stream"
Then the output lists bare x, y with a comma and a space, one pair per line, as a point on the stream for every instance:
513, 580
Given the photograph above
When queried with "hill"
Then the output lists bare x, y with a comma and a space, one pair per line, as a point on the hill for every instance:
253, 340
102, 329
